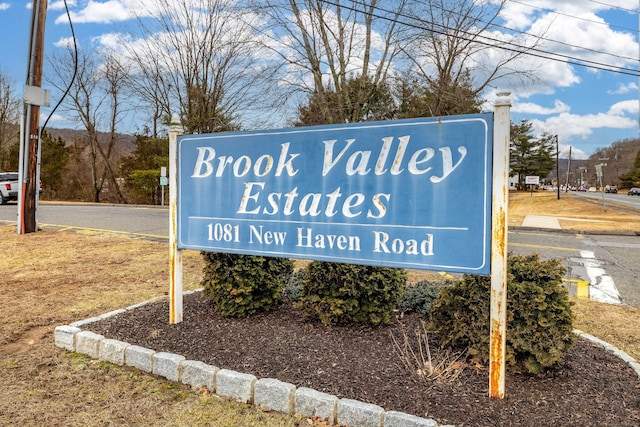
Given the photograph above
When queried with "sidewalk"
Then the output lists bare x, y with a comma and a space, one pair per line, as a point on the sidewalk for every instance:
541, 221
552, 222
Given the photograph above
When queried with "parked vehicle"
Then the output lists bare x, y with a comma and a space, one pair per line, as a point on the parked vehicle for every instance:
610, 189
8, 187
592, 189
634, 191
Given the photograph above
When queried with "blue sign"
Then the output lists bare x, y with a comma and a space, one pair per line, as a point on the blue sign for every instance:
408, 193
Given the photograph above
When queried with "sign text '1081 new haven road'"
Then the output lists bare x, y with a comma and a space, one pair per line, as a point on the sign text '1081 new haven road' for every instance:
412, 193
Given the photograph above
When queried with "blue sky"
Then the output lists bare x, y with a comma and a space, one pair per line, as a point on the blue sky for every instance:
587, 108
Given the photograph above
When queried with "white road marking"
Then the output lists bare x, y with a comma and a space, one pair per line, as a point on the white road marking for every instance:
601, 286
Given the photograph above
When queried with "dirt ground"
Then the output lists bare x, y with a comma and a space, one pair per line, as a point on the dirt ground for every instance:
53, 277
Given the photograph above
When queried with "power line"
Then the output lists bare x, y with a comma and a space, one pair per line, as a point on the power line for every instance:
624, 9
552, 40
75, 69
493, 42
592, 21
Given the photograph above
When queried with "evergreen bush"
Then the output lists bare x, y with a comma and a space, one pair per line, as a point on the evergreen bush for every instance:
419, 296
241, 285
539, 317
344, 293
293, 288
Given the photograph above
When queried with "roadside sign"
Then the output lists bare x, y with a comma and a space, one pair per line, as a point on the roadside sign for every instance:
533, 180
409, 193
599, 171
415, 193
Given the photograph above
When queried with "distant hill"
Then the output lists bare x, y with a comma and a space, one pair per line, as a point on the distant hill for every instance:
125, 142
619, 159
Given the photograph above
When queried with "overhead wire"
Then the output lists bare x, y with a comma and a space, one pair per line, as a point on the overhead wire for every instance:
613, 6
573, 46
516, 48
75, 70
592, 21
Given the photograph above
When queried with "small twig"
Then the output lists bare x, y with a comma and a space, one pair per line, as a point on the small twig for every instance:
420, 361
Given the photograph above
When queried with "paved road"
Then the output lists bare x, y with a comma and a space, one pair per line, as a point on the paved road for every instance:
609, 263
143, 221
618, 198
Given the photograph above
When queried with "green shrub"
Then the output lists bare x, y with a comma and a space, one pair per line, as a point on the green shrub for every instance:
293, 288
539, 317
418, 297
241, 285
344, 293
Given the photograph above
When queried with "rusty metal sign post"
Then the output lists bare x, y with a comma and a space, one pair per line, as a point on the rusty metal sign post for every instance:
500, 204
175, 254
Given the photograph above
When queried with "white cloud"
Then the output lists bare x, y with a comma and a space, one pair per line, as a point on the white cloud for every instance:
567, 31
531, 108
525, 75
593, 40
107, 12
620, 108
56, 118
624, 88
65, 42
567, 125
59, 5
112, 41
533, 16
520, 14
576, 153
5, 6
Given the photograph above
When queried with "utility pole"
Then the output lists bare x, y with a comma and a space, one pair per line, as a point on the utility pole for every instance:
34, 98
566, 188
583, 170
557, 166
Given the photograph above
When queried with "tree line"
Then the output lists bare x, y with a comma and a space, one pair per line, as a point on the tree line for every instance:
226, 66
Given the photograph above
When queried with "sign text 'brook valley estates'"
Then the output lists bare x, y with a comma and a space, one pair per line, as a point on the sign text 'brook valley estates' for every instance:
412, 193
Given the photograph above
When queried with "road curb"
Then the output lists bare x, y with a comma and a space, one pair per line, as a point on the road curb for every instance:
586, 232
237, 386
611, 349
73, 338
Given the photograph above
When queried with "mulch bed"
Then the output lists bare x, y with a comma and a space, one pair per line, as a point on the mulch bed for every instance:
590, 387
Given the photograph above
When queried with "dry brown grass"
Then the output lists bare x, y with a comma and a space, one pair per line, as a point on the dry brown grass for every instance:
572, 212
618, 325
51, 278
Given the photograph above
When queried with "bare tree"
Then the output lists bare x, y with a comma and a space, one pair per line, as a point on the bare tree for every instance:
9, 122
114, 76
456, 49
94, 100
198, 57
82, 102
324, 45
149, 84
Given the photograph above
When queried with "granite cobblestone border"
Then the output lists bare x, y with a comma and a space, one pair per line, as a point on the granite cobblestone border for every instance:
267, 393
